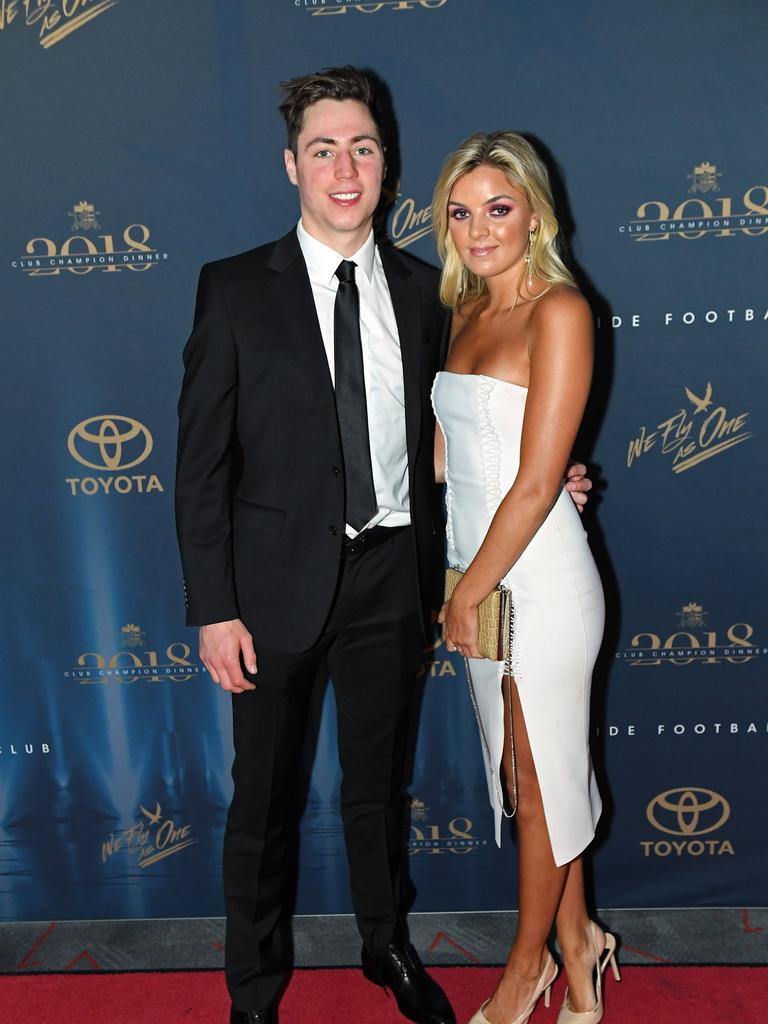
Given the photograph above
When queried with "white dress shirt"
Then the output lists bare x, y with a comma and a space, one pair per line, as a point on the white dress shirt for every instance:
382, 366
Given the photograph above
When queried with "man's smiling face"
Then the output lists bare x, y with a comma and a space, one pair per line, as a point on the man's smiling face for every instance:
338, 168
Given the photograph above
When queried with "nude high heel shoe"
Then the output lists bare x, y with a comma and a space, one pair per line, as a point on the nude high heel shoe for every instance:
543, 984
569, 1016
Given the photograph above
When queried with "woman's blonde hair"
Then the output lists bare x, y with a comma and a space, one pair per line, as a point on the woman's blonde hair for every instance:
523, 167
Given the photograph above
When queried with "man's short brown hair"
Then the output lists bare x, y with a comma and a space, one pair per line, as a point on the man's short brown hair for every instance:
343, 83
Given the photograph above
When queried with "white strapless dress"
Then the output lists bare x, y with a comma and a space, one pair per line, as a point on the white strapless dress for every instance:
559, 607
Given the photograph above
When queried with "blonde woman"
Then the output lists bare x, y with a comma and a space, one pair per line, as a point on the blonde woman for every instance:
509, 404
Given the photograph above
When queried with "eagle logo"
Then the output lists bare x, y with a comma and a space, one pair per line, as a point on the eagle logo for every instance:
700, 404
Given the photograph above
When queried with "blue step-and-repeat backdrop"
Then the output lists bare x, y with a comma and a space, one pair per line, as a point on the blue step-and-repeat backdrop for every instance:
140, 140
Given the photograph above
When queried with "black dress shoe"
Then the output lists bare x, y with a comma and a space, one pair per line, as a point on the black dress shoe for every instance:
419, 997
252, 1016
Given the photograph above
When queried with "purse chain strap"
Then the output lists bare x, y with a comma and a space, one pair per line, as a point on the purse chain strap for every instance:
483, 738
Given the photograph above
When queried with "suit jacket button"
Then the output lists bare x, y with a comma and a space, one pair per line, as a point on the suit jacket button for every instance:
336, 471
332, 530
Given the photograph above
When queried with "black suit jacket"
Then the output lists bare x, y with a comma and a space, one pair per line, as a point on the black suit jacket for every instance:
259, 484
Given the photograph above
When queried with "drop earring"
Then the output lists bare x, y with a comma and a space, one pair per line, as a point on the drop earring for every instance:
529, 255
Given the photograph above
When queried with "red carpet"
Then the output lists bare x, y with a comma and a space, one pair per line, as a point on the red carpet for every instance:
646, 995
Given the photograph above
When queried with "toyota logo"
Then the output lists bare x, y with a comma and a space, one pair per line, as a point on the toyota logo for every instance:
109, 442
688, 811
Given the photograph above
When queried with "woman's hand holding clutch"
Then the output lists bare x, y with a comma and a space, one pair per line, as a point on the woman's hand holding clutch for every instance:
460, 626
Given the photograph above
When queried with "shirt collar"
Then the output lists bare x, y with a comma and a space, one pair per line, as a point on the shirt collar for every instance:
322, 261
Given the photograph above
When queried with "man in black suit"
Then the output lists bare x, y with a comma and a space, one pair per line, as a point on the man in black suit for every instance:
310, 531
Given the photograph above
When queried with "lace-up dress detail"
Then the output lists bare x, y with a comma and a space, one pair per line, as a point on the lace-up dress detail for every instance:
559, 609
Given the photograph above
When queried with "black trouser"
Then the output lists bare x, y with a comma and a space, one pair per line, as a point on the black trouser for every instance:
371, 647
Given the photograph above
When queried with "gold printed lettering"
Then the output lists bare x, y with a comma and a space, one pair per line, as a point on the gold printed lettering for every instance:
693, 218
54, 20
716, 433
680, 214
81, 254
50, 252
138, 246
409, 224
663, 215
8, 11
71, 23
642, 443
655, 644
152, 839
376, 8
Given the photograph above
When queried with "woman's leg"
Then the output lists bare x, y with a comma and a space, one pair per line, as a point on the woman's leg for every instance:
541, 882
574, 936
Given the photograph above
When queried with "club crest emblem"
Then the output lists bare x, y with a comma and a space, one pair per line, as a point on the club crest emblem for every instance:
132, 635
692, 616
704, 178
83, 216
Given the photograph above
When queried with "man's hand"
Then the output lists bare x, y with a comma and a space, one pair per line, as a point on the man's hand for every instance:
220, 646
577, 483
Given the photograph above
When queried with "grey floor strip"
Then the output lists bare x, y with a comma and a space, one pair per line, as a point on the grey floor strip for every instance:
700, 936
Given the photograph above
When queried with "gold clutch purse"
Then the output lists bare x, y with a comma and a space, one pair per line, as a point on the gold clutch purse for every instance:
497, 620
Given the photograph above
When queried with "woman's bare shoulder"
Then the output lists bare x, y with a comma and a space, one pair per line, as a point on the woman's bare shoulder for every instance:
562, 300
563, 316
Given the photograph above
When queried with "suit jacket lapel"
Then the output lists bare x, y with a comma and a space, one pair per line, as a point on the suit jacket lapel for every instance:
406, 303
289, 285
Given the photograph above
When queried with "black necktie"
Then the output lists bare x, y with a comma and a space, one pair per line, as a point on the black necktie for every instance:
350, 400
